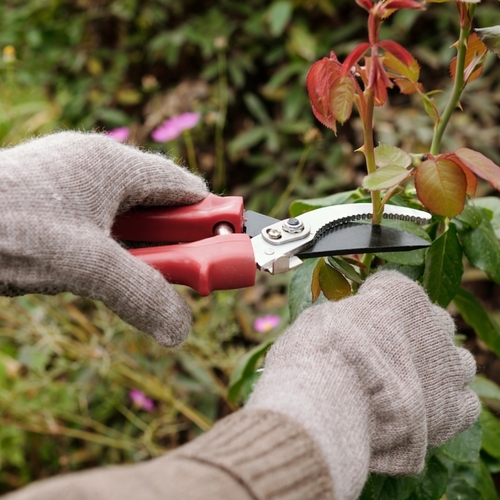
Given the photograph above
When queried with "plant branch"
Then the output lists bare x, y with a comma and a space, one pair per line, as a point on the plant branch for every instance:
369, 151
457, 90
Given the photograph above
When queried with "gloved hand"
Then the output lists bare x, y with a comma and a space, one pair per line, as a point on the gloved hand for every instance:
374, 379
58, 198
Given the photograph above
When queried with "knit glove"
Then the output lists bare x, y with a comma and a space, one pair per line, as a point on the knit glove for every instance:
58, 198
374, 379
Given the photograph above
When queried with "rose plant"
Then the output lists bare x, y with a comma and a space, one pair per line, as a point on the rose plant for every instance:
462, 231
463, 234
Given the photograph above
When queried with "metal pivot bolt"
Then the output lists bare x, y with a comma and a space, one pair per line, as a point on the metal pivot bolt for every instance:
293, 226
274, 234
287, 231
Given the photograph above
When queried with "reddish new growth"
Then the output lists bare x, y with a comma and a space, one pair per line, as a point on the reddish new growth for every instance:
374, 66
442, 181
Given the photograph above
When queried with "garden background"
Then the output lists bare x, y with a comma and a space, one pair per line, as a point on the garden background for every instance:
78, 387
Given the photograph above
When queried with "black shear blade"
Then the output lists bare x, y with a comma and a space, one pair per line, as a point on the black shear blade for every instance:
356, 238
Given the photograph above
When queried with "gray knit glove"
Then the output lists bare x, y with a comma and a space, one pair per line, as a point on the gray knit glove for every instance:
58, 198
374, 379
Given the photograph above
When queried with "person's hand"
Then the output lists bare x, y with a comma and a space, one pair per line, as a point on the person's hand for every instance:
58, 198
374, 379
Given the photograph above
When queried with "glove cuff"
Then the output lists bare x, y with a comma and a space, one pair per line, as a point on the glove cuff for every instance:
271, 455
296, 388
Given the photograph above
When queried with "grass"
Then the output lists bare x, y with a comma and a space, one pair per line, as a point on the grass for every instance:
67, 365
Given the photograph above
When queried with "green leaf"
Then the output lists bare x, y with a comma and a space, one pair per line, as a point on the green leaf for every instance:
430, 106
475, 316
464, 448
487, 390
460, 489
282, 75
385, 178
443, 267
333, 284
485, 483
468, 481
441, 186
279, 15
299, 207
491, 203
490, 37
482, 247
490, 427
413, 272
246, 140
409, 227
432, 481
245, 369
256, 108
470, 216
302, 42
345, 268
389, 156
380, 487
492, 464
413, 257
300, 297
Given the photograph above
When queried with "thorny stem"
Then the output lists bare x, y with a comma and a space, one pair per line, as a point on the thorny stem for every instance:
293, 182
369, 151
458, 88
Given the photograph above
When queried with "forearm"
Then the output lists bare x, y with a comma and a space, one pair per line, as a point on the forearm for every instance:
253, 454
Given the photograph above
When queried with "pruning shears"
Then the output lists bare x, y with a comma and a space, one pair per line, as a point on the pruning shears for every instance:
216, 244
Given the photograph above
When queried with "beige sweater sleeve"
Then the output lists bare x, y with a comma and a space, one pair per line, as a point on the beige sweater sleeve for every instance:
250, 455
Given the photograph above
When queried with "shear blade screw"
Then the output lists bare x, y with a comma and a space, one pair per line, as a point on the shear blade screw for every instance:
274, 234
293, 226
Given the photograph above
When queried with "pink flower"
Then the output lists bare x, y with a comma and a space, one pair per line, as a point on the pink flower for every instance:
141, 400
266, 323
119, 134
173, 128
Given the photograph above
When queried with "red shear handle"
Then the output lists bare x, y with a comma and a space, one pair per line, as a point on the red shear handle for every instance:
180, 224
219, 263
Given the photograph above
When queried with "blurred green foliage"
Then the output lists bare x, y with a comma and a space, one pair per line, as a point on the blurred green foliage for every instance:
67, 364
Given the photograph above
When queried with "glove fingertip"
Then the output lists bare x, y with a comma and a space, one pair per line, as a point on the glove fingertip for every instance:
157, 309
135, 291
388, 279
171, 328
